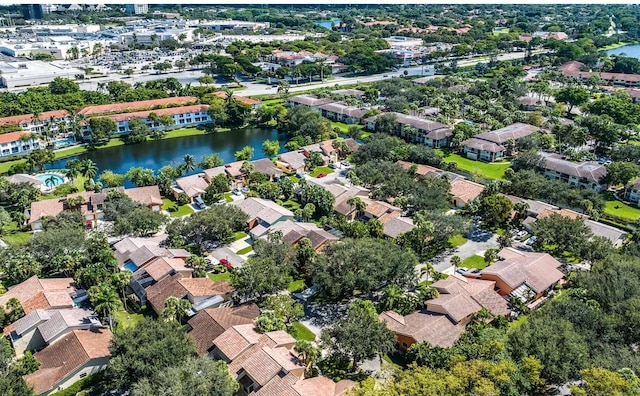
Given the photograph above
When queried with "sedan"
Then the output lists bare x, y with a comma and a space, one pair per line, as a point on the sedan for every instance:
321, 175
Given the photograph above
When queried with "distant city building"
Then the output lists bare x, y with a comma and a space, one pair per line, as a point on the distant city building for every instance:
137, 8
32, 11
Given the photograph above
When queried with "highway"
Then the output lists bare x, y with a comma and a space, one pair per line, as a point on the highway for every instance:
252, 88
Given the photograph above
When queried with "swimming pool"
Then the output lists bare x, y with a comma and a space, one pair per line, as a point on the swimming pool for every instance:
64, 142
50, 179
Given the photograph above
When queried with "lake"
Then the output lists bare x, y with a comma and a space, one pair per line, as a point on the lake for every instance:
156, 154
632, 51
328, 24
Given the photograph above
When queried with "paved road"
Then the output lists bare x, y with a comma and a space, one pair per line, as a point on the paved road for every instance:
479, 241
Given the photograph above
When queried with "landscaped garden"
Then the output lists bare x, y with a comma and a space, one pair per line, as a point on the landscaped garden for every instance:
492, 170
174, 209
620, 209
474, 261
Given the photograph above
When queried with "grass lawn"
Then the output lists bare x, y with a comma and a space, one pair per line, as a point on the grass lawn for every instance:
457, 240
183, 210
344, 128
223, 276
296, 286
294, 178
321, 169
291, 205
301, 332
620, 209
126, 319
227, 197
239, 235
485, 170
14, 236
272, 102
245, 250
474, 261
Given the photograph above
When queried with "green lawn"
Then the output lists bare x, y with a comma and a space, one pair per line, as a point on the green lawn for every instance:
245, 250
169, 205
227, 197
321, 169
296, 286
344, 128
474, 262
14, 236
289, 204
239, 235
301, 332
457, 240
223, 276
272, 102
620, 209
485, 170
126, 319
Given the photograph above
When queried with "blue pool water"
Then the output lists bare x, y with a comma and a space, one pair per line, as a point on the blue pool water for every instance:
129, 265
64, 142
46, 179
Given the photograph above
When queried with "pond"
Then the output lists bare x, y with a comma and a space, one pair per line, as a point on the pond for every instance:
632, 51
328, 24
156, 154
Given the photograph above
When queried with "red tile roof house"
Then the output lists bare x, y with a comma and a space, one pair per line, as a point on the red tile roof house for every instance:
526, 275
574, 69
444, 318
154, 104
183, 117
36, 293
200, 292
267, 365
490, 146
28, 123
17, 143
255, 104
262, 214
75, 356
148, 196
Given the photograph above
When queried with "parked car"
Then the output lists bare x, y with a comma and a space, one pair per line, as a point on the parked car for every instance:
321, 175
236, 192
245, 190
461, 270
225, 263
199, 203
345, 163
521, 234
332, 165
532, 240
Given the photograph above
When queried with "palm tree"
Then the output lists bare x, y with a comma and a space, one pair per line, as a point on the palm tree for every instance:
71, 174
175, 309
456, 261
121, 281
308, 352
105, 299
390, 296
88, 169
189, 162
357, 203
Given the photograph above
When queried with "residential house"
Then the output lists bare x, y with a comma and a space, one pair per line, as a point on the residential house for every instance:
267, 365
200, 292
574, 69
36, 293
434, 328
417, 129
464, 191
293, 232
526, 275
342, 195
156, 270
267, 167
263, 214
17, 143
349, 92
491, 146
135, 253
307, 100
397, 226
194, 186
183, 117
586, 174
75, 356
148, 196
380, 210
206, 325
634, 93
342, 113
40, 328
48, 207
529, 103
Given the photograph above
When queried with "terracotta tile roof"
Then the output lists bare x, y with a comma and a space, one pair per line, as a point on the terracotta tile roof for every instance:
236, 339
562, 212
280, 338
210, 323
266, 166
199, 287
160, 112
140, 105
538, 270
280, 386
263, 209
423, 326
157, 269
12, 136
28, 118
193, 185
261, 366
71, 352
379, 208
242, 99
398, 225
170, 286
456, 306
572, 69
322, 386
47, 207
233, 169
465, 190
147, 196
35, 293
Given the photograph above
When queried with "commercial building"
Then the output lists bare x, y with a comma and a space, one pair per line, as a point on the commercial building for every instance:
137, 8
30, 73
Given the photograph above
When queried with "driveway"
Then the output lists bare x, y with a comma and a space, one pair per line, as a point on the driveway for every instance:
479, 241
226, 253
